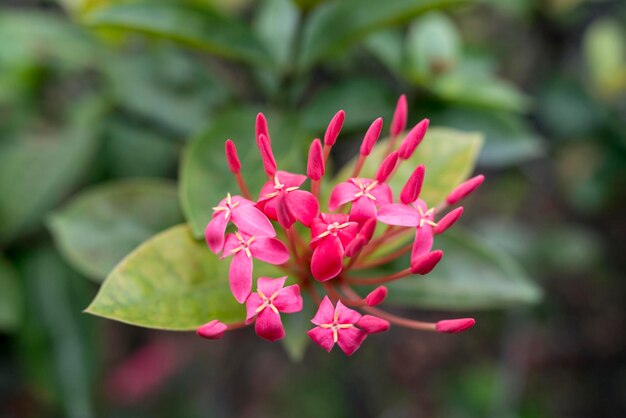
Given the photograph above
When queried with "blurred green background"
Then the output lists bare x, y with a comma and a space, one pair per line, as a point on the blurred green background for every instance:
100, 99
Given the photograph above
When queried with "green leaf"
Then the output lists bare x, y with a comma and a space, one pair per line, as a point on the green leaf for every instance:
387, 46
192, 25
204, 175
100, 226
471, 276
449, 156
604, 47
296, 339
336, 24
276, 25
10, 297
38, 170
169, 282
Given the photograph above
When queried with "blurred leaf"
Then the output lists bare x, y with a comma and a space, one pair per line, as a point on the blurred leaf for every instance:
433, 45
604, 47
472, 276
387, 46
449, 156
335, 24
101, 225
362, 99
276, 25
296, 339
38, 170
11, 303
192, 25
169, 282
508, 138
204, 175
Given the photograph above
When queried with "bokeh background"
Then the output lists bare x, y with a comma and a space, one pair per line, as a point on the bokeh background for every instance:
103, 96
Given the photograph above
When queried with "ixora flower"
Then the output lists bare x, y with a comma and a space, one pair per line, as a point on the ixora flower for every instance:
319, 252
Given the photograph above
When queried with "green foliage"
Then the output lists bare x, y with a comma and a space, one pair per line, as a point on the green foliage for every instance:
169, 282
100, 226
11, 298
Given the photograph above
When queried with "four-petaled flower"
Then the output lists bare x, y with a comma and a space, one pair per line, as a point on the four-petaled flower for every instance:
365, 194
281, 199
330, 235
337, 325
270, 300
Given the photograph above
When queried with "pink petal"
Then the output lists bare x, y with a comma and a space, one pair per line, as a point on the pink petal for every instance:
325, 312
400, 215
289, 299
354, 247
454, 326
214, 232
315, 166
423, 241
327, 260
448, 220
240, 276
261, 126
318, 226
346, 315
268, 286
333, 129
398, 123
342, 194
213, 330
290, 179
372, 324
284, 214
230, 244
269, 326
323, 337
371, 136
270, 250
234, 165
383, 194
267, 189
350, 339
303, 205
362, 209
252, 221
253, 303
426, 263
368, 228
347, 234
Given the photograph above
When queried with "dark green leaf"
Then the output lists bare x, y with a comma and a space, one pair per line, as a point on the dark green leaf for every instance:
169, 282
100, 226
10, 297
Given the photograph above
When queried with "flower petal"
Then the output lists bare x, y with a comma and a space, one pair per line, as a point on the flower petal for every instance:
350, 339
362, 209
230, 244
214, 232
303, 205
290, 179
323, 337
347, 234
270, 250
268, 286
284, 215
253, 303
269, 326
383, 194
325, 312
346, 315
400, 215
289, 299
240, 276
342, 194
423, 241
327, 260
252, 221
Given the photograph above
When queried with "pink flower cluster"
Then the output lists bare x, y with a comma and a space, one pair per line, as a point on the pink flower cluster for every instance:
322, 261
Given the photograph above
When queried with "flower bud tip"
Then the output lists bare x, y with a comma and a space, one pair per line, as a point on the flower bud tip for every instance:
333, 129
426, 263
413, 139
371, 136
398, 123
387, 167
413, 187
448, 220
454, 326
213, 330
372, 324
231, 157
315, 166
376, 296
465, 189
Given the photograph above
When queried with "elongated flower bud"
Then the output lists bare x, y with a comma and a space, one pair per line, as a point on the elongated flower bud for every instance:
213, 330
376, 296
261, 127
426, 263
368, 228
448, 220
269, 163
413, 187
372, 324
315, 166
454, 326
387, 167
371, 136
231, 157
398, 123
333, 129
355, 246
464, 189
413, 139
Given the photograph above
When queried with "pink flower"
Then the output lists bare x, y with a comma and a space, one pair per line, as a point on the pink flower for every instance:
270, 300
243, 248
213, 330
365, 194
243, 214
330, 235
337, 325
416, 215
281, 199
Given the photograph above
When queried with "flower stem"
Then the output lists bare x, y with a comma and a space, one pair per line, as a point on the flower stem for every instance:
379, 279
385, 259
359, 165
242, 186
315, 188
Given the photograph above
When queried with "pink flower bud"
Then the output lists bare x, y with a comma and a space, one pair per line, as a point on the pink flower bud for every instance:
355, 246
213, 330
413, 187
387, 167
372, 324
334, 127
464, 189
426, 263
269, 163
371, 136
368, 228
413, 139
315, 166
261, 127
398, 123
376, 296
448, 220
454, 326
231, 157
